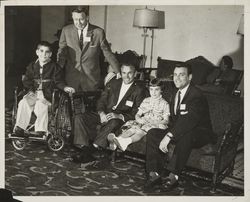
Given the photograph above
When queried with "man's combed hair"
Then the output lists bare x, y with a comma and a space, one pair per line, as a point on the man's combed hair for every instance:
130, 64
81, 9
185, 65
44, 43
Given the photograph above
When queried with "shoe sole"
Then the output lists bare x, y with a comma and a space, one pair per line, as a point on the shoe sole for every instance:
118, 144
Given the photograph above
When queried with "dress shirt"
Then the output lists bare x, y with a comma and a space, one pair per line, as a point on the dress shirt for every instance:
183, 92
84, 32
123, 90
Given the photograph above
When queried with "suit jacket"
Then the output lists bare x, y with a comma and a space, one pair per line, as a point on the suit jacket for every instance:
193, 114
82, 68
129, 104
52, 77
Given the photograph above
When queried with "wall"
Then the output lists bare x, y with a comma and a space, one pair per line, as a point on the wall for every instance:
189, 31
52, 19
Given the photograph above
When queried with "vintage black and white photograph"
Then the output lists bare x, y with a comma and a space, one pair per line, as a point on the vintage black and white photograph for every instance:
123, 99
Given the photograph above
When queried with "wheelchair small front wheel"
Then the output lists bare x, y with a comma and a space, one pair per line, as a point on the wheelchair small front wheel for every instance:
18, 144
55, 143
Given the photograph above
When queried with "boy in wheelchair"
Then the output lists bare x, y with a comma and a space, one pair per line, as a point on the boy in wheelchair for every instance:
40, 79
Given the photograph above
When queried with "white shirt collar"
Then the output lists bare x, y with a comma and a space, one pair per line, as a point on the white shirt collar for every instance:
183, 91
84, 31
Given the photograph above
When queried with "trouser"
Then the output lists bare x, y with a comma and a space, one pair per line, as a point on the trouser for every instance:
39, 105
86, 129
155, 158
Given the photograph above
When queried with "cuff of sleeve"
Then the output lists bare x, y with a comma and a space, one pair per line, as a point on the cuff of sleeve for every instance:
170, 135
122, 118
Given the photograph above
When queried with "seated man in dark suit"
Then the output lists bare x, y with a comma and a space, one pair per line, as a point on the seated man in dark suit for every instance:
221, 80
118, 103
190, 128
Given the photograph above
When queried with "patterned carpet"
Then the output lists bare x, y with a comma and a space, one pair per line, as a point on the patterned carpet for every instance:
36, 171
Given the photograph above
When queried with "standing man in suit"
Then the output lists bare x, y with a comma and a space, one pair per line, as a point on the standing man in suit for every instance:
79, 51
190, 128
118, 103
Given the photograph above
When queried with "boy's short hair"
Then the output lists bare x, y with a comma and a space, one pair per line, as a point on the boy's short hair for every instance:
81, 9
156, 82
44, 43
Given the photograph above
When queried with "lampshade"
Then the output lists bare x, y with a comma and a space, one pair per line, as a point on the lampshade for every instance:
241, 25
149, 18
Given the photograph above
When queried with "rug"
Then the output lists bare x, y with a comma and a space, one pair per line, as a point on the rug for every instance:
36, 171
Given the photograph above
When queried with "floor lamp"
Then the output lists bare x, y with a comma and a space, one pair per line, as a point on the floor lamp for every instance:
148, 19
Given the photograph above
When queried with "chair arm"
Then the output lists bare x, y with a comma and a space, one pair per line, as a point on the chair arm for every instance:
230, 137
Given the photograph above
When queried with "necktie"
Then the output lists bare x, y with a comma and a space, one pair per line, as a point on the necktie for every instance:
178, 102
81, 40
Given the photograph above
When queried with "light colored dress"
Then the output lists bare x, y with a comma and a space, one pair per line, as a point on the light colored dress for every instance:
154, 112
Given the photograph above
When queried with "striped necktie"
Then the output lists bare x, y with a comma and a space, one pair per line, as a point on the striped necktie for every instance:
178, 102
81, 39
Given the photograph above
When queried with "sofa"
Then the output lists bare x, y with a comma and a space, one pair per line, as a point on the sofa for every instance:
211, 162
204, 75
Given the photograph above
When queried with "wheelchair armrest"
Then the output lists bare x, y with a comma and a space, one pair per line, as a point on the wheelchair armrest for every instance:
57, 93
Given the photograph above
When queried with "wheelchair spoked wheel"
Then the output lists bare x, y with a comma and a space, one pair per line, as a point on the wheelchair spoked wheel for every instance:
56, 143
18, 144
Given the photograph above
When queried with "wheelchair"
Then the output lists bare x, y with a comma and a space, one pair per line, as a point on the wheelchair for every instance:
55, 141
61, 118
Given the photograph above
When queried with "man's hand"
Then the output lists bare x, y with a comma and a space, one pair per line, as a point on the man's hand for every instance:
164, 144
103, 117
118, 75
114, 116
68, 89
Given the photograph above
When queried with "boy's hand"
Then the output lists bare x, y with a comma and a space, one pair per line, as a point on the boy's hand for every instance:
69, 89
103, 117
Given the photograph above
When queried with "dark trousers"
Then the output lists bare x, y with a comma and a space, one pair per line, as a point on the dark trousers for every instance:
155, 158
87, 128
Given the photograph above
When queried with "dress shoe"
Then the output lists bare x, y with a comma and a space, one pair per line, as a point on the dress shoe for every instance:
82, 158
18, 132
98, 153
153, 179
171, 182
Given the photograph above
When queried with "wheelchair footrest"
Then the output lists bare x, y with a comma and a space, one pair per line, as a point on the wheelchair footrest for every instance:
29, 135
14, 136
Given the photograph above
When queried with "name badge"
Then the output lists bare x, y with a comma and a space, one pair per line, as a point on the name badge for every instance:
183, 107
183, 112
129, 103
87, 39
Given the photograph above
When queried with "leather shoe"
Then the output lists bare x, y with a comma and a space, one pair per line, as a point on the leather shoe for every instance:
153, 179
170, 182
19, 132
82, 158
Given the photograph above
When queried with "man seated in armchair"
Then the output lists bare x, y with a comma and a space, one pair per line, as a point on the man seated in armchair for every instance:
221, 80
118, 103
190, 128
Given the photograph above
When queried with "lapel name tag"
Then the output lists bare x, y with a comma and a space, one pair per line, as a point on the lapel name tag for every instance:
183, 112
129, 103
183, 107
87, 39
